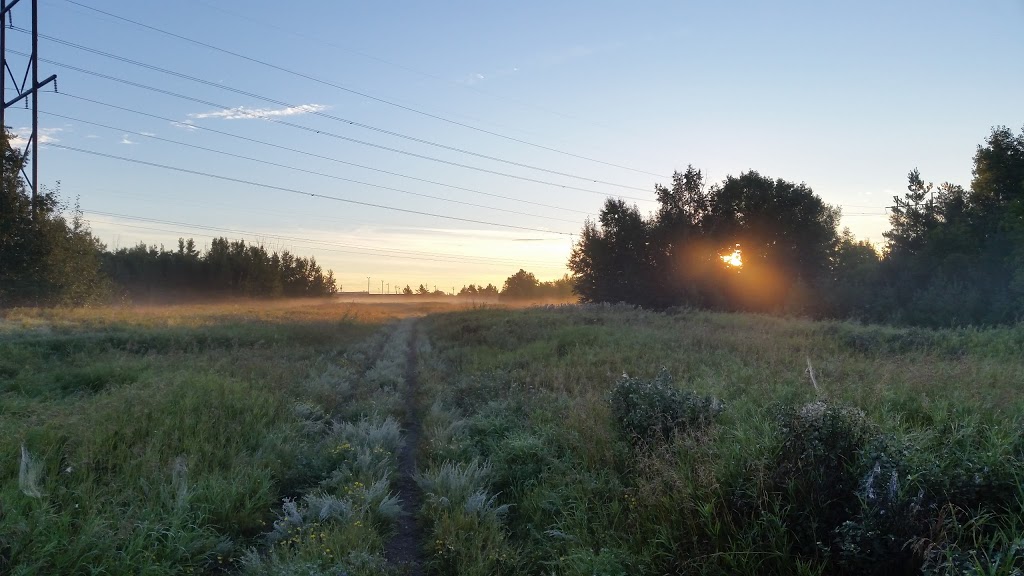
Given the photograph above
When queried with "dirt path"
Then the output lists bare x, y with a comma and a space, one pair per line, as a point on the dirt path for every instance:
406, 547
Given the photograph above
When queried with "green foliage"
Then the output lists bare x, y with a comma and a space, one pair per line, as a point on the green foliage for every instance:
953, 256
655, 409
51, 258
489, 291
861, 481
226, 268
464, 519
46, 257
786, 235
815, 469
524, 285
134, 461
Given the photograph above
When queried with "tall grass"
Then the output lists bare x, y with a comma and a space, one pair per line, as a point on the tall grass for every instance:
738, 464
559, 440
167, 440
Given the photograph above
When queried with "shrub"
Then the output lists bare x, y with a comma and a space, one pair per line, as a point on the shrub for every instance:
655, 409
893, 512
815, 468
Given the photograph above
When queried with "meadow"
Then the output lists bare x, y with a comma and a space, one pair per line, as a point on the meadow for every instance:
249, 438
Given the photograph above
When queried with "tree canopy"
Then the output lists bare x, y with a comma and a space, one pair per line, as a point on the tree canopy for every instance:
46, 257
952, 255
52, 258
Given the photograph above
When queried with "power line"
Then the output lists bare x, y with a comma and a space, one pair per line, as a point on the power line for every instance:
363, 250
356, 92
303, 170
333, 135
235, 208
296, 191
329, 116
418, 72
192, 234
314, 155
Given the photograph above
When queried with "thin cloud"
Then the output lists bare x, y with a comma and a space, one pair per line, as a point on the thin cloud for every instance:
92, 136
185, 125
246, 113
46, 135
147, 133
125, 140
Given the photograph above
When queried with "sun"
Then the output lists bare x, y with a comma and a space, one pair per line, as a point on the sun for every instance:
734, 259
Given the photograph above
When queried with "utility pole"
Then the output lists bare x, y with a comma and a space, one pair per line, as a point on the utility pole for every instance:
32, 146
381, 286
367, 285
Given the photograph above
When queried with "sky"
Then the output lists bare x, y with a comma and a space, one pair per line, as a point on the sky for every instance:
448, 143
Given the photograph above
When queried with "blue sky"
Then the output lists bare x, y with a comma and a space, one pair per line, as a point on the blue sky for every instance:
847, 97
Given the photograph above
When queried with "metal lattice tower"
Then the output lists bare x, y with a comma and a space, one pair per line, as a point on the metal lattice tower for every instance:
23, 91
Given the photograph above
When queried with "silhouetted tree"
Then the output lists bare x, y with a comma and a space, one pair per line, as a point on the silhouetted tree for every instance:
785, 233
614, 262
520, 286
956, 256
952, 256
226, 268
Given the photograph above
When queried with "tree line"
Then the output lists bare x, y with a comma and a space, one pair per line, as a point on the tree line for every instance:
227, 267
952, 256
49, 256
520, 286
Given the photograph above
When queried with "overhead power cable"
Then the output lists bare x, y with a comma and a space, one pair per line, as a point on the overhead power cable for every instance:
362, 250
193, 234
421, 73
326, 115
296, 191
314, 155
331, 134
297, 169
356, 92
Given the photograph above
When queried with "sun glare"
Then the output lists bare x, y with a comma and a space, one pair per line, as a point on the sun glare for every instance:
734, 259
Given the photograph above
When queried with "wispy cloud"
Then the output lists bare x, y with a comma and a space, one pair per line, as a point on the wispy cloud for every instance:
46, 135
247, 113
125, 140
185, 125
92, 136
147, 133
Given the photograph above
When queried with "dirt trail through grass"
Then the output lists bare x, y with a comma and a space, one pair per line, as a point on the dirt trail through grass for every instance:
405, 547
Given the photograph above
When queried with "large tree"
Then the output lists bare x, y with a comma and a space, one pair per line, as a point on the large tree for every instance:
613, 263
782, 232
520, 286
956, 256
46, 258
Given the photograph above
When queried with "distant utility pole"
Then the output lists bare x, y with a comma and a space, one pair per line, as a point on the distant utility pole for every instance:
389, 287
367, 285
32, 145
381, 286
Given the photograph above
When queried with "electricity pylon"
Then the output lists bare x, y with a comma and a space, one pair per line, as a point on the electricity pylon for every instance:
23, 92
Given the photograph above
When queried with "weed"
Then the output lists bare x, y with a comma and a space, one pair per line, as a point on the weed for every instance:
655, 409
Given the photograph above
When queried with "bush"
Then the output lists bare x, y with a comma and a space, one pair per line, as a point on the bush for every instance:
815, 470
893, 512
650, 410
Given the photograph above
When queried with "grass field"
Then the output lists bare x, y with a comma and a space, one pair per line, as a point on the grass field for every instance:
255, 439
